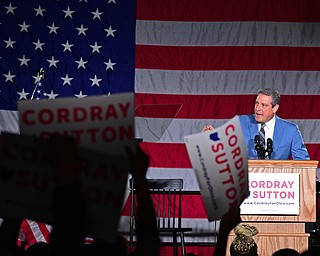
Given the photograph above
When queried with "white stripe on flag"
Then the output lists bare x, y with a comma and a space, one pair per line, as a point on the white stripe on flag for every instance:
227, 33
37, 232
202, 229
9, 121
226, 82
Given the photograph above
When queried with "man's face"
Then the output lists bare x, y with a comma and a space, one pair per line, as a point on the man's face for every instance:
263, 109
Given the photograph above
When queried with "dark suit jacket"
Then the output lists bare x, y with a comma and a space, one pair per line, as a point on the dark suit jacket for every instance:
287, 139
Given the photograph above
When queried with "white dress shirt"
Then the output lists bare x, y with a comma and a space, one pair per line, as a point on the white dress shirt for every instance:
268, 129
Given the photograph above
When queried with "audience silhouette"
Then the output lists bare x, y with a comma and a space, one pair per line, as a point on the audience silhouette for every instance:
69, 218
286, 252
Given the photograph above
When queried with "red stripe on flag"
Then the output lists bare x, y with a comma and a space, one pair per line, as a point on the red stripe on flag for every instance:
314, 151
168, 155
44, 230
159, 111
231, 10
204, 249
219, 57
175, 155
227, 106
192, 205
28, 233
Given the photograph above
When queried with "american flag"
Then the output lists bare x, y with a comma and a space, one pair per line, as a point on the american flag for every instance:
212, 56
208, 56
85, 48
52, 49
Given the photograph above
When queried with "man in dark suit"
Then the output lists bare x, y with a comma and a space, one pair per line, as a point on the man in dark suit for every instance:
286, 138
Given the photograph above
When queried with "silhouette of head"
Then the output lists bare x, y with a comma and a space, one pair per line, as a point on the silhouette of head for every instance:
244, 244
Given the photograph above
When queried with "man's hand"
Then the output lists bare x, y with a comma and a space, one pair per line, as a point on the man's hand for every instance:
207, 128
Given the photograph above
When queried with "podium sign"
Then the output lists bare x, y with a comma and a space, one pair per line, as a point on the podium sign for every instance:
272, 193
284, 230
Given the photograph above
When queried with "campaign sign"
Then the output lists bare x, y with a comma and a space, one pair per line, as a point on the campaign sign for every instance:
27, 183
25, 179
272, 193
220, 162
102, 123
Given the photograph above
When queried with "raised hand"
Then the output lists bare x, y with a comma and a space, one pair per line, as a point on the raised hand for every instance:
207, 128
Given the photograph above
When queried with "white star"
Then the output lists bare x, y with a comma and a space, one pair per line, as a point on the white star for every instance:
109, 64
112, 1
53, 28
9, 77
9, 43
39, 11
68, 12
95, 47
96, 14
23, 60
80, 95
24, 27
38, 45
82, 63
110, 31
82, 30
51, 95
23, 95
67, 79
36, 78
95, 81
53, 62
10, 8
67, 46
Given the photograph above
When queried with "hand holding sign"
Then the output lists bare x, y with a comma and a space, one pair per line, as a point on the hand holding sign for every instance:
207, 128
220, 161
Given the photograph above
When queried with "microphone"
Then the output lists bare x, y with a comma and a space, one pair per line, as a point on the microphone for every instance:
258, 145
269, 147
257, 141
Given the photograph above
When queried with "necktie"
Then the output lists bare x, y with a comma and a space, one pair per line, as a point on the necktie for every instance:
262, 134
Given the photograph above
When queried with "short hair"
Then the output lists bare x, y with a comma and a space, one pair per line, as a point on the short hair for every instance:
244, 244
253, 251
275, 96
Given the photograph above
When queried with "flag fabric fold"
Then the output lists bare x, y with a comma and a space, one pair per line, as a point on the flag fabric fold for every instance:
53, 49
210, 57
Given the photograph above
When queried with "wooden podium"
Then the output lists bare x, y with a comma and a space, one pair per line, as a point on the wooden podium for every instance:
284, 231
